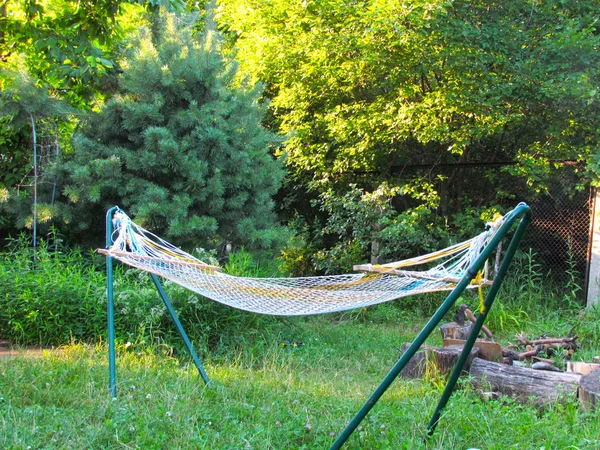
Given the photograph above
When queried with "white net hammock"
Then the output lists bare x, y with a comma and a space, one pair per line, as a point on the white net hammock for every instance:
137, 247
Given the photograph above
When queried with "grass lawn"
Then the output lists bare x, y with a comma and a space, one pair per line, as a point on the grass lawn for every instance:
264, 396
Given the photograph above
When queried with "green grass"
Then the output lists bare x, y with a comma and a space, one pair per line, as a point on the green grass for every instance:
267, 397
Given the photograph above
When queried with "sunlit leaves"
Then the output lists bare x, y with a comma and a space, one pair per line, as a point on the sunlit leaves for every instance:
366, 85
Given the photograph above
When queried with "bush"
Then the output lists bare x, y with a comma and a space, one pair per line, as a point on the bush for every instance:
52, 296
49, 296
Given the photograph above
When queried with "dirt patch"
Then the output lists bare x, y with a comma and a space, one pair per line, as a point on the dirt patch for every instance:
8, 351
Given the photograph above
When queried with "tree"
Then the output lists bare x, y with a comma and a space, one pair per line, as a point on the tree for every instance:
178, 147
373, 85
74, 46
68, 45
371, 90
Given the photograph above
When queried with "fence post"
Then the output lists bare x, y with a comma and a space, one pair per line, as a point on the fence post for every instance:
593, 278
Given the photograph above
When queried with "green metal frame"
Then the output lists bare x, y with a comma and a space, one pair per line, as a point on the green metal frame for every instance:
112, 373
522, 212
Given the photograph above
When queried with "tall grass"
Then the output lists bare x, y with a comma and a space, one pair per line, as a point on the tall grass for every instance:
48, 296
53, 296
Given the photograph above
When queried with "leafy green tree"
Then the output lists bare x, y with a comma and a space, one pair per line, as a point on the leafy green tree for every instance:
372, 86
179, 147
74, 46
68, 45
372, 90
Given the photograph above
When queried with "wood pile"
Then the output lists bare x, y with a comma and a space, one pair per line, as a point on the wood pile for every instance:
525, 370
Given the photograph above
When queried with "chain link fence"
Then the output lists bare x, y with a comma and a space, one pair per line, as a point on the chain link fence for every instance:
559, 235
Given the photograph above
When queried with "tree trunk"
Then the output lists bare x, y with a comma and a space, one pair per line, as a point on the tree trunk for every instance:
524, 385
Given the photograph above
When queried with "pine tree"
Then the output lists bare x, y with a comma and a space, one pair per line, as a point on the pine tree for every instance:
181, 147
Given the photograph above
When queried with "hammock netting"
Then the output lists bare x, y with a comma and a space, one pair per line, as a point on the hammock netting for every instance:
137, 247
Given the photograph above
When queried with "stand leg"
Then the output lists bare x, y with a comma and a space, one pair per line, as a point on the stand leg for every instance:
522, 211
182, 332
406, 356
489, 301
112, 371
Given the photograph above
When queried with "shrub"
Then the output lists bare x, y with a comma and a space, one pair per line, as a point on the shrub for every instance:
49, 296
52, 296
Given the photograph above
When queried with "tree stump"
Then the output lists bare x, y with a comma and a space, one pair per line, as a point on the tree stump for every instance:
492, 351
525, 385
453, 330
440, 361
589, 391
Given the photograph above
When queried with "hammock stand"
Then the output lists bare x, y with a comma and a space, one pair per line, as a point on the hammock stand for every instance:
521, 216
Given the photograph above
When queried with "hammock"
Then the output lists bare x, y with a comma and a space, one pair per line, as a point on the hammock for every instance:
137, 247
457, 267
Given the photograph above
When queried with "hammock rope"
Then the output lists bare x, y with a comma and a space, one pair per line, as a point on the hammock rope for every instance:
138, 247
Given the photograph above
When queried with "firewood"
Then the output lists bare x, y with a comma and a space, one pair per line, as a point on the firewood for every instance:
524, 341
589, 391
544, 365
525, 385
491, 351
442, 360
511, 354
546, 360
467, 312
528, 354
584, 368
453, 330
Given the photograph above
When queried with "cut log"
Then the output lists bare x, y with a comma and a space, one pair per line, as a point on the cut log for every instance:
436, 360
525, 385
491, 351
453, 330
467, 312
584, 368
589, 391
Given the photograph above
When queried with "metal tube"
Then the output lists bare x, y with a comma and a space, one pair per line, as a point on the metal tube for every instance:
521, 210
406, 356
182, 332
112, 371
489, 300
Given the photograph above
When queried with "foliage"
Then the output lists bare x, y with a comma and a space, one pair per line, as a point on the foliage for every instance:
29, 114
374, 85
67, 44
49, 296
53, 296
13, 157
179, 148
407, 92
357, 219
588, 329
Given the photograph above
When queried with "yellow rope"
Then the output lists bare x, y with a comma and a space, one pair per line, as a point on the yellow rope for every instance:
479, 280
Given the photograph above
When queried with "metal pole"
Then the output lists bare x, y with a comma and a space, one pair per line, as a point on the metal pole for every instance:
489, 300
35, 178
112, 371
521, 210
182, 332
406, 356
